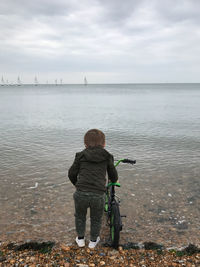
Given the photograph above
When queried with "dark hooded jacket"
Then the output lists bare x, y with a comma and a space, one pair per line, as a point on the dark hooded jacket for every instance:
88, 171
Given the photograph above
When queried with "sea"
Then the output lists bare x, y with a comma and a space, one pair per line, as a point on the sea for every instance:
158, 125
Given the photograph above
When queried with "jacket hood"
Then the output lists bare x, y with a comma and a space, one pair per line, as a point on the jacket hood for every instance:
95, 154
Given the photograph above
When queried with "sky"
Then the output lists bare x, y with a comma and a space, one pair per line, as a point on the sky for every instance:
108, 41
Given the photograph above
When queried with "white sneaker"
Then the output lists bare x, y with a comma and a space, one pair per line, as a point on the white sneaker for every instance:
80, 242
93, 244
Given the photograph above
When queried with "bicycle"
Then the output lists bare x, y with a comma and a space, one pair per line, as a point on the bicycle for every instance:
114, 218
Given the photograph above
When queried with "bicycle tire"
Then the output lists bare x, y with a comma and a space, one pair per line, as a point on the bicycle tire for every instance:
115, 225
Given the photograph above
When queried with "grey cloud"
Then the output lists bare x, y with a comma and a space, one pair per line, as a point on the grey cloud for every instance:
35, 8
98, 35
178, 11
115, 11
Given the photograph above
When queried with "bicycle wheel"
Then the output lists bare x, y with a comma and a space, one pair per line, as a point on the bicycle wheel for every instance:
115, 225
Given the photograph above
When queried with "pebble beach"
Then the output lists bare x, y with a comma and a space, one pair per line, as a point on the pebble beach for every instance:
46, 254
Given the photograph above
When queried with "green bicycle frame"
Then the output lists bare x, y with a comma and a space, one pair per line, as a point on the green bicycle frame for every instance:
115, 184
110, 184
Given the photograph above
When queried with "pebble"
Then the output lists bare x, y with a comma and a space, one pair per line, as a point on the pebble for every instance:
102, 254
102, 263
65, 248
113, 252
32, 259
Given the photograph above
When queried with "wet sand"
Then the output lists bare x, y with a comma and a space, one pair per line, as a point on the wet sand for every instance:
157, 210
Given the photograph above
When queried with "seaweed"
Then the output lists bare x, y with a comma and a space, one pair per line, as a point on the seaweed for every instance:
191, 249
2, 257
152, 246
130, 245
44, 247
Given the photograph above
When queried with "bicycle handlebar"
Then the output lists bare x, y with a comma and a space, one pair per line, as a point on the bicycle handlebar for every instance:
130, 161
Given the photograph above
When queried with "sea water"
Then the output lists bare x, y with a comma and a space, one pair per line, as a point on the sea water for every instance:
42, 127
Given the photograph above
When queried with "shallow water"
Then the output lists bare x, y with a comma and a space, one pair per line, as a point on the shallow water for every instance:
42, 127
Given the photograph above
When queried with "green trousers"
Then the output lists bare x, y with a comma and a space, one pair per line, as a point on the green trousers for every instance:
83, 201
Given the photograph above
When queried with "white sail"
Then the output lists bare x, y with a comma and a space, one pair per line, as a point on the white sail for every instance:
19, 81
2, 81
36, 81
85, 81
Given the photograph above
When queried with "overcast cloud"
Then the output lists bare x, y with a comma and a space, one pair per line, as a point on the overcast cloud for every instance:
109, 41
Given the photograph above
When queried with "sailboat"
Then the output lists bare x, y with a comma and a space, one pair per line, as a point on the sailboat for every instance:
85, 81
2, 81
19, 81
36, 81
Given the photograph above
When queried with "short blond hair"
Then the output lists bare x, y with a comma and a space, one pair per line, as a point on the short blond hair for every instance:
94, 137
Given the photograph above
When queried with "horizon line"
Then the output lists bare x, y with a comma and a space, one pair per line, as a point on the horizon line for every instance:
61, 84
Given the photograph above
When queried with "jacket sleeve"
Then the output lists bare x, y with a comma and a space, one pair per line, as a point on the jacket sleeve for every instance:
112, 172
74, 170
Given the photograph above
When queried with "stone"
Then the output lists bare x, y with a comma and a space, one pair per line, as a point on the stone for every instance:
32, 259
102, 254
12, 261
113, 252
2, 258
65, 248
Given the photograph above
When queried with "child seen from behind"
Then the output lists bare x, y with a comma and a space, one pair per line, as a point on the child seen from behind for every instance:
88, 174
